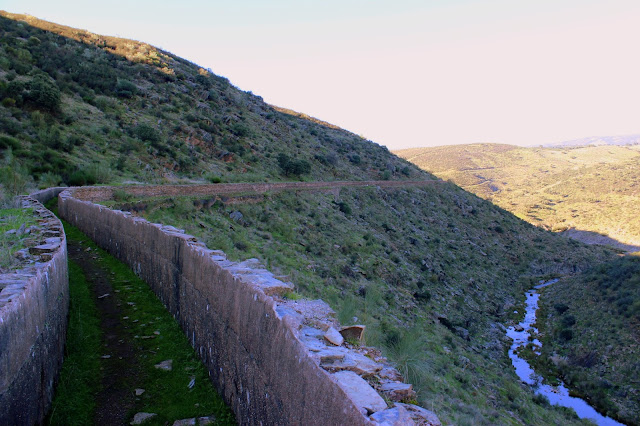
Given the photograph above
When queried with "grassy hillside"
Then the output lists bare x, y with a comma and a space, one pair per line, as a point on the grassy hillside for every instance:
79, 108
594, 188
435, 272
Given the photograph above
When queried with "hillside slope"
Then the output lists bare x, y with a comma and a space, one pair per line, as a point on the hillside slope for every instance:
590, 191
433, 272
78, 108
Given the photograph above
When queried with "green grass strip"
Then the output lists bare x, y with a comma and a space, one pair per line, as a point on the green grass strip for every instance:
183, 392
80, 376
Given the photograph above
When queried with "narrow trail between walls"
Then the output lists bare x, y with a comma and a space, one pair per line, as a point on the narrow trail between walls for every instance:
145, 363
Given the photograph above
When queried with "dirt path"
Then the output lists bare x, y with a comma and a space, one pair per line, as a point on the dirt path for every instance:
126, 355
119, 364
102, 193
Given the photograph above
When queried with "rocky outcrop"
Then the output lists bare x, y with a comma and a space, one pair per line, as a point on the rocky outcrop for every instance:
34, 302
274, 360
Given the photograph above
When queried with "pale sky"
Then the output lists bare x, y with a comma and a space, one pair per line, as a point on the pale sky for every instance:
404, 73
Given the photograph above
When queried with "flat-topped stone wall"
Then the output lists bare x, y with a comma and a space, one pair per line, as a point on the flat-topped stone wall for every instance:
34, 302
270, 358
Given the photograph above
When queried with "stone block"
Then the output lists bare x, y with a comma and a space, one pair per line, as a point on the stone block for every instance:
360, 392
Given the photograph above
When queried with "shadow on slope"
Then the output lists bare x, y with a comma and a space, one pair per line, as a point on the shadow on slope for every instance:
589, 237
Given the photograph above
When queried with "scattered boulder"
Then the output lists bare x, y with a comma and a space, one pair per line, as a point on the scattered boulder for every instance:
330, 355
355, 362
140, 418
139, 392
334, 337
463, 332
518, 327
396, 416
165, 365
360, 392
398, 391
43, 248
353, 333
21, 254
419, 415
236, 216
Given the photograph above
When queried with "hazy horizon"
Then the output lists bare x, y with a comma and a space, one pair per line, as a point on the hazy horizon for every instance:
414, 73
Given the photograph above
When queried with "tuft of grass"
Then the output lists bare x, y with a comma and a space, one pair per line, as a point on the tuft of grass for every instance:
10, 243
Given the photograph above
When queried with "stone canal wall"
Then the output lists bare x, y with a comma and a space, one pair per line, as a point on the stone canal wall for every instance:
34, 302
275, 361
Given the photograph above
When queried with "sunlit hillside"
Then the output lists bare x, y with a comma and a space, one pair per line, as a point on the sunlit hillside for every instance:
594, 188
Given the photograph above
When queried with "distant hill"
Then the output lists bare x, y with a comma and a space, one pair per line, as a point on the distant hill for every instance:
592, 192
434, 273
599, 140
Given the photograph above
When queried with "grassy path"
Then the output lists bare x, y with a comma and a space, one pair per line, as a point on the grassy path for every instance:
118, 332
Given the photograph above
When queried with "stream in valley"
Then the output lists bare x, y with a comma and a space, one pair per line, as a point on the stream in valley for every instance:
557, 395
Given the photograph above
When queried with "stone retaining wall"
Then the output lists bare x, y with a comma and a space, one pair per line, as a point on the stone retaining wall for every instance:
34, 302
45, 195
270, 358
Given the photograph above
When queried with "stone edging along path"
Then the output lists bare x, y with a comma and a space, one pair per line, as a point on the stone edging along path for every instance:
275, 361
34, 302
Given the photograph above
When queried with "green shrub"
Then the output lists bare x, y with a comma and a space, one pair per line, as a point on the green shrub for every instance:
146, 133
9, 142
43, 93
561, 308
81, 178
13, 176
120, 195
293, 167
126, 89
566, 334
355, 159
568, 320
344, 207
49, 179
8, 102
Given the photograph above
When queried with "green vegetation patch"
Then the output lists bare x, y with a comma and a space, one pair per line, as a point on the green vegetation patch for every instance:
12, 238
80, 376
